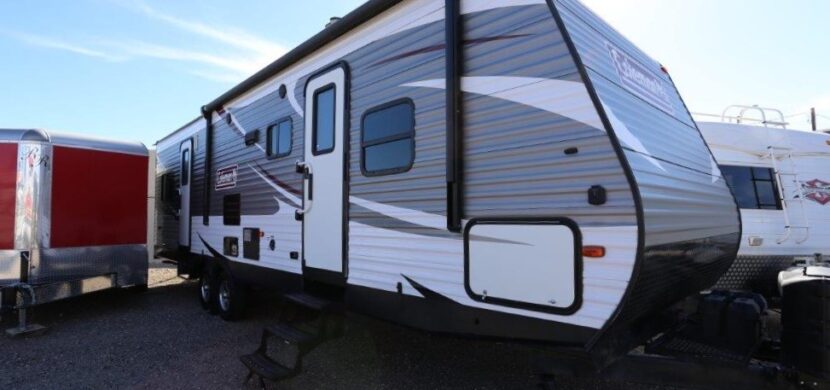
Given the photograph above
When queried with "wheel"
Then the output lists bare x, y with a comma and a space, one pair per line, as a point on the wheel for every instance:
230, 298
207, 287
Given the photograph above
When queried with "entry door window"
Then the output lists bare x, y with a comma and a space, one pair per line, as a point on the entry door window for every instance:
324, 115
186, 167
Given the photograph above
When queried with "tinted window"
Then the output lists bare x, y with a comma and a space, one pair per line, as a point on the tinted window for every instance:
388, 141
324, 115
186, 167
754, 188
279, 139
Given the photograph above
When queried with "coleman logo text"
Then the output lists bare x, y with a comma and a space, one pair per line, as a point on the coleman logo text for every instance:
226, 177
639, 80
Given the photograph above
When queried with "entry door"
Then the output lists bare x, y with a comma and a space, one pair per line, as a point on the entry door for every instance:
325, 98
185, 157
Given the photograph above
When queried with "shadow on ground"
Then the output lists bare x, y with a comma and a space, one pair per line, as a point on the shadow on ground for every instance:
163, 339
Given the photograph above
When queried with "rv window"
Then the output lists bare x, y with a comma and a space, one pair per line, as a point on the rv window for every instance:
324, 118
231, 206
754, 187
279, 139
185, 167
387, 138
168, 188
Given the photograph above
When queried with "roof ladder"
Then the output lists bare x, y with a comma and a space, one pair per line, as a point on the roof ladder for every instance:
791, 174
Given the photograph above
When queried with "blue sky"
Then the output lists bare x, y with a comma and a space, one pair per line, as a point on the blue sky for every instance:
138, 69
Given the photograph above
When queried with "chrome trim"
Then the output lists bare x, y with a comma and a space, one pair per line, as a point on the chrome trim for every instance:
72, 140
129, 263
33, 196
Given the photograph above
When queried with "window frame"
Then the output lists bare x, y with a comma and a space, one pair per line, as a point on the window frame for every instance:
317, 92
397, 137
754, 182
269, 134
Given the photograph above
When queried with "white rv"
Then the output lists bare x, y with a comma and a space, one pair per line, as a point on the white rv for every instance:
495, 168
781, 181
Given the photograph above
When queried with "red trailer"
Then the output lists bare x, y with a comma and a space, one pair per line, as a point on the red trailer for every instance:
73, 217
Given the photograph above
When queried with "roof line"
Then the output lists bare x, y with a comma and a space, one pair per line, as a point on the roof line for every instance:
353, 19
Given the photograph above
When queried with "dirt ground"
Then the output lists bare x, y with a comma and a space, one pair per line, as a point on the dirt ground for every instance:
162, 339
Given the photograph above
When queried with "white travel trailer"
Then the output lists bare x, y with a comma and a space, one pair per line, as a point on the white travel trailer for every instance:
781, 181
495, 168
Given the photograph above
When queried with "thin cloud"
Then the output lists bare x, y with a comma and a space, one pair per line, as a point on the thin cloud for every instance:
234, 37
52, 43
144, 49
242, 53
217, 76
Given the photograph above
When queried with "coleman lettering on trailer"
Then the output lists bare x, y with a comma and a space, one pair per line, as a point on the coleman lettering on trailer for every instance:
817, 190
639, 80
226, 177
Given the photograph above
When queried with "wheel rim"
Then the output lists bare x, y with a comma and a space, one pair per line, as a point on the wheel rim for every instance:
205, 290
224, 296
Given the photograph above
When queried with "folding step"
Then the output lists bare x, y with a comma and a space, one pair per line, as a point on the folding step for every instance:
311, 302
290, 334
265, 368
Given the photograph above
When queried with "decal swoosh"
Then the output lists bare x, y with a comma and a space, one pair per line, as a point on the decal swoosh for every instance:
290, 87
408, 227
427, 293
628, 138
284, 192
443, 46
562, 97
210, 249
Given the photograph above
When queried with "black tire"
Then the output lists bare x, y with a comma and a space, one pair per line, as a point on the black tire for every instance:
231, 297
139, 288
207, 290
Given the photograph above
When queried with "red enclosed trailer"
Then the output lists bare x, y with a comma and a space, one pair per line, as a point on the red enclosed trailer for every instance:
73, 216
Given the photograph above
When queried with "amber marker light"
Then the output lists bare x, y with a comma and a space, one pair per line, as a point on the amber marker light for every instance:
593, 251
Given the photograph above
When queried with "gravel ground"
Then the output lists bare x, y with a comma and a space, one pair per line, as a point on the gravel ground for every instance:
163, 339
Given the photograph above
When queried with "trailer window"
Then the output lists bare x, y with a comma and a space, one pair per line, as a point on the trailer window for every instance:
323, 120
231, 206
279, 139
754, 187
168, 188
388, 138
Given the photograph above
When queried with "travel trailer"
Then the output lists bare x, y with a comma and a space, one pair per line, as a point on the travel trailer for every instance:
73, 217
781, 180
494, 168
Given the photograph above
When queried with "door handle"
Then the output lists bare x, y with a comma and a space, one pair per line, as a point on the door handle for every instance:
308, 176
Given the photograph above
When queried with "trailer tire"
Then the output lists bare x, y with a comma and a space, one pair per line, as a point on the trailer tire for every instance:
207, 290
231, 297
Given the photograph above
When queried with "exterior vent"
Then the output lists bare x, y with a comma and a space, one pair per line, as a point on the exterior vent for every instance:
332, 20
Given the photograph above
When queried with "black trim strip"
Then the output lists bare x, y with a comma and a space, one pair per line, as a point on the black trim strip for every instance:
562, 221
208, 164
455, 151
629, 173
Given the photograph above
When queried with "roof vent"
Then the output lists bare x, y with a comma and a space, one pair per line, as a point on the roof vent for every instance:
332, 20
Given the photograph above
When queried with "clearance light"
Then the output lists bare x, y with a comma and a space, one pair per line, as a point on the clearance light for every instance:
593, 251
